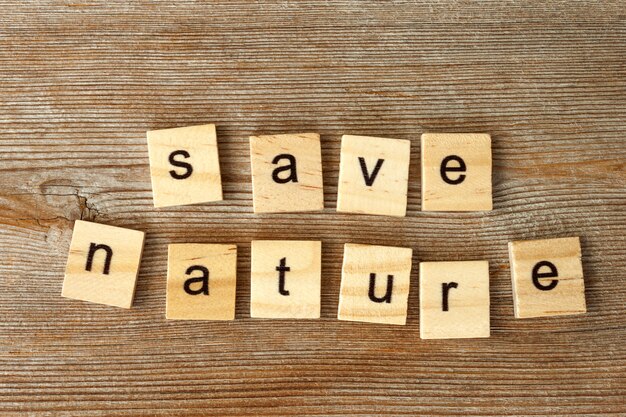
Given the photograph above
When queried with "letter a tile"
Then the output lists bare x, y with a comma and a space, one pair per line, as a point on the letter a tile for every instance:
456, 172
547, 277
373, 175
454, 300
184, 165
375, 284
102, 264
285, 279
286, 173
201, 282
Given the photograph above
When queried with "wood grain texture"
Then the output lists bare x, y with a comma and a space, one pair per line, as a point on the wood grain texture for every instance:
81, 83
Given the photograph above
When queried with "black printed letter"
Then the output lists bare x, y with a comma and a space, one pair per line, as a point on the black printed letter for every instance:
293, 175
445, 288
369, 179
188, 167
444, 169
553, 273
204, 279
372, 292
281, 276
93, 248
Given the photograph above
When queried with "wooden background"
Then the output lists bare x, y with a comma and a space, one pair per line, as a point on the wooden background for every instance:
81, 82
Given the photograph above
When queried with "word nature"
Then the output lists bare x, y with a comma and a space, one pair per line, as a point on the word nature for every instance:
547, 280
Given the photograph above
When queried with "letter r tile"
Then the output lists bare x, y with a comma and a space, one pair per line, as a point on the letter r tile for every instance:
184, 165
201, 282
286, 173
102, 264
456, 172
375, 284
547, 277
373, 175
454, 300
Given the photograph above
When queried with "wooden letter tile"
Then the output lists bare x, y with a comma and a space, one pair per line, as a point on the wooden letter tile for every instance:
375, 284
456, 172
547, 277
201, 282
102, 264
373, 175
454, 299
286, 173
184, 165
285, 279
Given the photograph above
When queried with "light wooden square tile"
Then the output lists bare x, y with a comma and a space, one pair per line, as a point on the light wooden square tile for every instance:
373, 175
375, 284
184, 165
285, 279
547, 277
102, 264
286, 173
201, 281
456, 172
454, 300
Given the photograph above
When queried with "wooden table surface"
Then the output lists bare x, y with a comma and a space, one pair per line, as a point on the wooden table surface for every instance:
81, 82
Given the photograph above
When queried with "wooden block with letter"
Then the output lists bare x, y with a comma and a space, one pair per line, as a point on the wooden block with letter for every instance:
373, 175
102, 264
286, 173
201, 281
456, 172
454, 300
547, 277
375, 284
285, 279
184, 165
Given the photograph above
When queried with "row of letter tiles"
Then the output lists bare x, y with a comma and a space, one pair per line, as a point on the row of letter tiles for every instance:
547, 280
287, 171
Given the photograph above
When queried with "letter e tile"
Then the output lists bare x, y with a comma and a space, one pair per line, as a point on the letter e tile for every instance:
547, 277
456, 172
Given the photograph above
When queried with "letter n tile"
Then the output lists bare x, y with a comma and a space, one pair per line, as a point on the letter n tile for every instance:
102, 264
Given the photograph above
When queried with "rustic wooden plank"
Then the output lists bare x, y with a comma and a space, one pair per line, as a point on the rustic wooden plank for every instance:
81, 83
